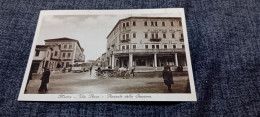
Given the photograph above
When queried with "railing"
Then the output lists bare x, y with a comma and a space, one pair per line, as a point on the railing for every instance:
181, 40
55, 58
149, 50
155, 39
124, 40
126, 29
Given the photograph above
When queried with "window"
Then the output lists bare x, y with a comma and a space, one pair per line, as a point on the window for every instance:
145, 35
63, 55
124, 37
134, 23
68, 55
127, 36
70, 46
183, 46
180, 23
37, 53
127, 24
155, 23
163, 23
55, 53
153, 46
65, 46
154, 35
164, 35
145, 23
173, 36
134, 35
173, 46
123, 24
165, 46
151, 23
123, 47
134, 46
181, 35
127, 46
157, 46
171, 23
146, 46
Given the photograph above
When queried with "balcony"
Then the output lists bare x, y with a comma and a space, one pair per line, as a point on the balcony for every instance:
181, 39
149, 51
124, 40
155, 39
125, 29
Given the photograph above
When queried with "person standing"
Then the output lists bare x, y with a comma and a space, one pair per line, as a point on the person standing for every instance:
45, 80
133, 71
90, 70
168, 77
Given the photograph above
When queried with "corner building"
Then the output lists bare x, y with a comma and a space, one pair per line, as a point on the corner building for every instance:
70, 51
147, 43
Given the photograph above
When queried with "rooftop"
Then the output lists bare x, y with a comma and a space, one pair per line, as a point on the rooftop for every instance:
64, 39
141, 18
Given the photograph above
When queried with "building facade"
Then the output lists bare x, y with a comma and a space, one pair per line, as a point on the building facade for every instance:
44, 56
147, 43
70, 51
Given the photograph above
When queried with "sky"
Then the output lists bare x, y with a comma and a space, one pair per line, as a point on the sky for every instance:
90, 30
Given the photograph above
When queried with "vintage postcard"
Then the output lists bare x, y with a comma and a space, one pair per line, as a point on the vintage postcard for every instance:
110, 55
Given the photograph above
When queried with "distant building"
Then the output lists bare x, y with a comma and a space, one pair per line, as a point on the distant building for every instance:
147, 43
70, 51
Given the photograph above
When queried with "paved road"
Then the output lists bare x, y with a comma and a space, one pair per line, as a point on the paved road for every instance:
83, 83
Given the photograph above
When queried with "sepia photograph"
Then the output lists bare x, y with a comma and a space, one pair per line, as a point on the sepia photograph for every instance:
110, 55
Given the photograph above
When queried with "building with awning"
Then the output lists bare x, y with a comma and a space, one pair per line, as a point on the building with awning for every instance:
147, 43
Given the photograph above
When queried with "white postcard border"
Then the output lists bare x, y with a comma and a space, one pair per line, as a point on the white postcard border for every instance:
177, 12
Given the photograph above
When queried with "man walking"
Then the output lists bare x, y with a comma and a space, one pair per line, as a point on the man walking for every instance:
45, 80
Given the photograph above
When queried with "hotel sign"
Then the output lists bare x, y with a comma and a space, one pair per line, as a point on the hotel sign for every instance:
163, 30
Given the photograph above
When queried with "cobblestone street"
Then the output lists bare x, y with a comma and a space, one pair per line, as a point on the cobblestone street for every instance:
83, 83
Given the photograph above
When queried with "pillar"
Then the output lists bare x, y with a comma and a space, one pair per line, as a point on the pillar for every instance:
155, 60
113, 61
110, 61
130, 60
122, 62
176, 60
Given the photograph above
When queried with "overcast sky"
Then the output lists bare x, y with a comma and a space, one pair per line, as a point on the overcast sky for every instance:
90, 30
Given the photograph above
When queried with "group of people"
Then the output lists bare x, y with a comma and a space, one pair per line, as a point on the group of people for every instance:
124, 71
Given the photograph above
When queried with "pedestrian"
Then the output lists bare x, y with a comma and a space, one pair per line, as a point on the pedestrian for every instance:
181, 68
168, 77
132, 71
90, 69
45, 80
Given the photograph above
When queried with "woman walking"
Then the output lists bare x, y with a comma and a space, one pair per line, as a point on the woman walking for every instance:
168, 78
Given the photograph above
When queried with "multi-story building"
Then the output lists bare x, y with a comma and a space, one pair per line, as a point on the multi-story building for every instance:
148, 43
45, 56
70, 51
